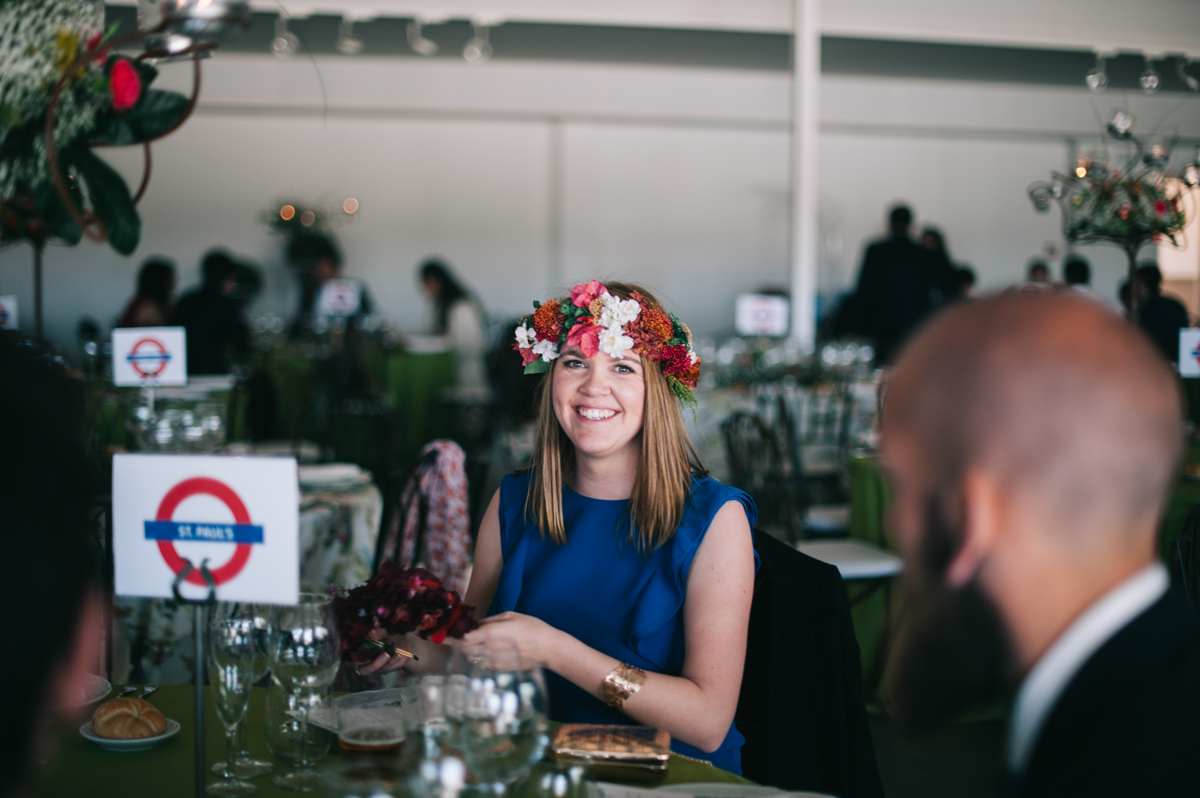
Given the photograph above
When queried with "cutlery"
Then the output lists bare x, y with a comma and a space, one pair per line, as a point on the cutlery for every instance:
150, 688
129, 689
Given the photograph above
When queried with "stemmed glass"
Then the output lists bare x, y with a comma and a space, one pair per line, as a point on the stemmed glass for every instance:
504, 729
230, 674
255, 620
305, 653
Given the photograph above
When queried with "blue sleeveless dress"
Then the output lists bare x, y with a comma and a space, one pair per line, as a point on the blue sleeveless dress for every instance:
600, 590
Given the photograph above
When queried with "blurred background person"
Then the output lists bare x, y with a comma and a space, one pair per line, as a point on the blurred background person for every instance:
965, 277
895, 286
1031, 440
945, 276
216, 329
457, 315
50, 549
151, 306
1161, 316
1037, 276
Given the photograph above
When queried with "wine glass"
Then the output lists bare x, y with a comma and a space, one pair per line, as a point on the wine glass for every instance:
504, 728
305, 654
230, 674
283, 724
255, 619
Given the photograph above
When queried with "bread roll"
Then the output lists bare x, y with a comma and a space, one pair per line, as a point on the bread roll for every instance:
128, 719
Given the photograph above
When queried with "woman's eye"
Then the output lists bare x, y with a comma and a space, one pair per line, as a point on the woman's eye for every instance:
572, 362
624, 368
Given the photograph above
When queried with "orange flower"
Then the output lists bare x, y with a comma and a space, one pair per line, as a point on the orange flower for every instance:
547, 321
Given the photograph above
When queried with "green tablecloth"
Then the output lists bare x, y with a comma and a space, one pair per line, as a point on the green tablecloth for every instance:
80, 767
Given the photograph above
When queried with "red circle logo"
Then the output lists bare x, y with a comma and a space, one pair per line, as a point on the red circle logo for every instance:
204, 486
148, 357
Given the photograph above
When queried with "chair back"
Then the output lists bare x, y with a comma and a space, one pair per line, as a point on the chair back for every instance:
425, 519
801, 707
756, 466
1187, 557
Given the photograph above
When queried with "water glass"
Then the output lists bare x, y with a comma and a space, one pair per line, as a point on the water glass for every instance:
305, 653
505, 729
230, 674
285, 738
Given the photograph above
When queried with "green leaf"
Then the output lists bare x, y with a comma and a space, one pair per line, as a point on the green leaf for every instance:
53, 214
109, 198
538, 366
155, 113
146, 72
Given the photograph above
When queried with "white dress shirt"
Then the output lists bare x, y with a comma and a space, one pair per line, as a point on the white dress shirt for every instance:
1054, 671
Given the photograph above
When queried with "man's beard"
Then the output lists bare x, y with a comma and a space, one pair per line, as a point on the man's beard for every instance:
954, 649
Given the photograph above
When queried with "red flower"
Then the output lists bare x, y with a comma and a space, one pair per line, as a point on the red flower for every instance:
583, 294
675, 360
585, 335
1160, 208
1124, 212
527, 355
547, 321
124, 84
100, 56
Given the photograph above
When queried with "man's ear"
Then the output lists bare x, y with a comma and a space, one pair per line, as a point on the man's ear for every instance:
982, 514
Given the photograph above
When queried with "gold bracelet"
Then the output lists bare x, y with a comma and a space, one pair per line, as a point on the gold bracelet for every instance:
622, 682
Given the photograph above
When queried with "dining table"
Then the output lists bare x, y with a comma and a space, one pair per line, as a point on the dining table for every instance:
80, 767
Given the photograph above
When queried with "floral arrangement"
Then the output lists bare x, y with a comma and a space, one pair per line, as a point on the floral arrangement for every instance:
396, 602
105, 100
597, 321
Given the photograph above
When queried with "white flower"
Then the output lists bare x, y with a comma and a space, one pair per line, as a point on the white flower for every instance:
526, 337
693, 357
617, 312
614, 342
547, 349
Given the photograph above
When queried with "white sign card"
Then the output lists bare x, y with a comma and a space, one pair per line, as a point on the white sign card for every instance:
241, 514
1189, 352
149, 356
339, 298
8, 313
761, 314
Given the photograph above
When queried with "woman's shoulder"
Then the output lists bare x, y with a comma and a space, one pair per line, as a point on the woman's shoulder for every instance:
708, 495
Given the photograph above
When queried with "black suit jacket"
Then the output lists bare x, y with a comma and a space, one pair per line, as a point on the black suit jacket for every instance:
801, 708
894, 293
1128, 724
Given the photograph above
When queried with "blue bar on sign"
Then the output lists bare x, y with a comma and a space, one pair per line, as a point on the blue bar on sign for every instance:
203, 532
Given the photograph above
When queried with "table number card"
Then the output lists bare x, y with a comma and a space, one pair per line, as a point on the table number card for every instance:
149, 356
8, 313
1189, 352
240, 515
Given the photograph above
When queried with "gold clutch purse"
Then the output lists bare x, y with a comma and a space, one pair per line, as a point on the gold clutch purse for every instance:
623, 753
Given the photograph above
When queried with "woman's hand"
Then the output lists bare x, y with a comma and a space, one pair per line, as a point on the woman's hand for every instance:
387, 663
534, 640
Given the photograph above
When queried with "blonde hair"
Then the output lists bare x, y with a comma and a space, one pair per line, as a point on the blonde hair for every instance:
666, 460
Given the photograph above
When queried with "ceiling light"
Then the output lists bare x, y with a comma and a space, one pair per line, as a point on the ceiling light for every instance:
1097, 78
285, 43
418, 42
347, 42
1121, 125
1149, 80
479, 49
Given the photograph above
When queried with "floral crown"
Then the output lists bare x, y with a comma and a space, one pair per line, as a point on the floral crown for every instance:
597, 321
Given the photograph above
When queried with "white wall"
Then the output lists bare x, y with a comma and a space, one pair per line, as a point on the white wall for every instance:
529, 176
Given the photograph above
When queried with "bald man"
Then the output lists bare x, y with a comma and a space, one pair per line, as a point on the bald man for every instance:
1031, 440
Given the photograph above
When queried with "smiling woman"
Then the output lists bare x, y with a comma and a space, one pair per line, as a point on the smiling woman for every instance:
615, 562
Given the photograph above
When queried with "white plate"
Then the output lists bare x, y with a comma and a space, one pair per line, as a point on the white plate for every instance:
727, 790
129, 745
96, 688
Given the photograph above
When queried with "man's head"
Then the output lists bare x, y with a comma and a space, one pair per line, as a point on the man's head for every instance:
900, 219
45, 490
1149, 281
220, 275
1076, 271
1031, 439
1038, 271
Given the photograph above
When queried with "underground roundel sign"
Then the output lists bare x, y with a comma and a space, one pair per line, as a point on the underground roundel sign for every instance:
168, 530
148, 357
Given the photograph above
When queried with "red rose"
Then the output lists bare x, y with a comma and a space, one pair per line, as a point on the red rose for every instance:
124, 84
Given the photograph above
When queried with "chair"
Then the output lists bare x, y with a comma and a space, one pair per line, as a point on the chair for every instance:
756, 466
818, 519
801, 707
1187, 557
425, 519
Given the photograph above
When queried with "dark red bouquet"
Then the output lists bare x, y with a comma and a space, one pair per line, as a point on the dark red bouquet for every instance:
396, 602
